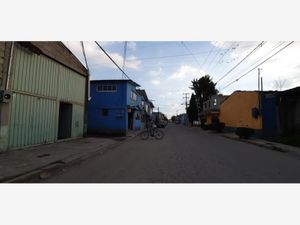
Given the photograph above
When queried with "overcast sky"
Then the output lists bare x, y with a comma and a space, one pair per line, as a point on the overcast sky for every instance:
165, 69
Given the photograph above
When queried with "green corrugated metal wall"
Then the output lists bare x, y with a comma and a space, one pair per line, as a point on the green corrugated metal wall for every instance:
38, 85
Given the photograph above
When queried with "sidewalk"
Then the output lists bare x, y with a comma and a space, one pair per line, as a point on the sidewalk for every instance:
266, 144
38, 162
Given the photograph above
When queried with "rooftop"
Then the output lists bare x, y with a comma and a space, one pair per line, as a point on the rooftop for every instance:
116, 81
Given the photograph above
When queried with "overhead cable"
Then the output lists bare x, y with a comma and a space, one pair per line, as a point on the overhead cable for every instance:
236, 80
112, 60
250, 53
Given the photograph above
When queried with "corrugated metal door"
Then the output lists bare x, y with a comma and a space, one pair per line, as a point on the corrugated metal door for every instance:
32, 121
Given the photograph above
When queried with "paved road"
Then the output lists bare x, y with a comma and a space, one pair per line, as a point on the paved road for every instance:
185, 155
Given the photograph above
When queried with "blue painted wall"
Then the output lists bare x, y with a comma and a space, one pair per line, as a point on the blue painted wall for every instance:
136, 122
117, 104
269, 114
116, 121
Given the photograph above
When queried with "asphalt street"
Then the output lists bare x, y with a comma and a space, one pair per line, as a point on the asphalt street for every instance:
185, 155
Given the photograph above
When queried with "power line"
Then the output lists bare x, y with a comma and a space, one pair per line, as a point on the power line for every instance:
225, 52
112, 60
258, 65
257, 61
191, 53
217, 53
180, 55
260, 45
212, 48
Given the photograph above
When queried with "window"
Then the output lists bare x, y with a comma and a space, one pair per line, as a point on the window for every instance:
104, 112
138, 116
106, 88
215, 102
133, 96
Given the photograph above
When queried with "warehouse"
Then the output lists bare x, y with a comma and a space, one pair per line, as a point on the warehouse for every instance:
43, 94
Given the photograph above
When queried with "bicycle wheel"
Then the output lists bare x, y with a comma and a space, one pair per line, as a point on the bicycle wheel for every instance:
144, 135
158, 134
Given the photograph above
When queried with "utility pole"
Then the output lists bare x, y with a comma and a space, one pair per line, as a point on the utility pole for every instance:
186, 101
261, 84
259, 69
87, 92
186, 106
124, 58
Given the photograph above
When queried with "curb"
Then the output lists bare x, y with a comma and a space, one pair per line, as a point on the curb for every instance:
267, 146
44, 172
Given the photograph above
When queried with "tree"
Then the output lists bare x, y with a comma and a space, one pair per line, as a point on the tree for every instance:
279, 84
192, 110
203, 87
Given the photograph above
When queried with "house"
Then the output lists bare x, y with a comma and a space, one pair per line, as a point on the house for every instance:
241, 109
211, 107
288, 106
145, 105
269, 113
43, 93
114, 107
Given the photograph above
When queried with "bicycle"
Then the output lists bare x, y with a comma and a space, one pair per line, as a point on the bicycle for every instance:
154, 132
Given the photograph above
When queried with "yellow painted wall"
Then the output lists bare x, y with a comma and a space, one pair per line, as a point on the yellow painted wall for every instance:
236, 111
209, 117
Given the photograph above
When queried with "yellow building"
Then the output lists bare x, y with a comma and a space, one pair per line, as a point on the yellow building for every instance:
241, 109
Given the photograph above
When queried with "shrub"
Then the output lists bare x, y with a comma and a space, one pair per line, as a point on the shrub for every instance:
244, 132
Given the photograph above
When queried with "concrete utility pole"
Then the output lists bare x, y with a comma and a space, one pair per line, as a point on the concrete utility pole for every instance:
259, 69
124, 58
186, 101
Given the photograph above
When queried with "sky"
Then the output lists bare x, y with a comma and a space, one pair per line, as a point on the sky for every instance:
165, 69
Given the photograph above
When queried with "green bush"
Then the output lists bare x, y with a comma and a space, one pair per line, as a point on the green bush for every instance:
244, 132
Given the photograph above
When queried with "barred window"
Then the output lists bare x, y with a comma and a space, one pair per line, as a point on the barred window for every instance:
106, 88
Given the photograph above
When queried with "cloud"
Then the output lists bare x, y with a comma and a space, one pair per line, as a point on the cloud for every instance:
156, 73
218, 44
131, 45
186, 72
155, 82
222, 44
96, 58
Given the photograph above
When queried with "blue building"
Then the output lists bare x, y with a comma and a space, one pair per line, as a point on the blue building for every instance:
114, 107
145, 105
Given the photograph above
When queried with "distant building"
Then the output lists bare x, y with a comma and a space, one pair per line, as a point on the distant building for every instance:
211, 107
269, 113
43, 94
145, 105
114, 107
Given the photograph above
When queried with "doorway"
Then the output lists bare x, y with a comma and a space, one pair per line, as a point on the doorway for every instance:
64, 120
130, 120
